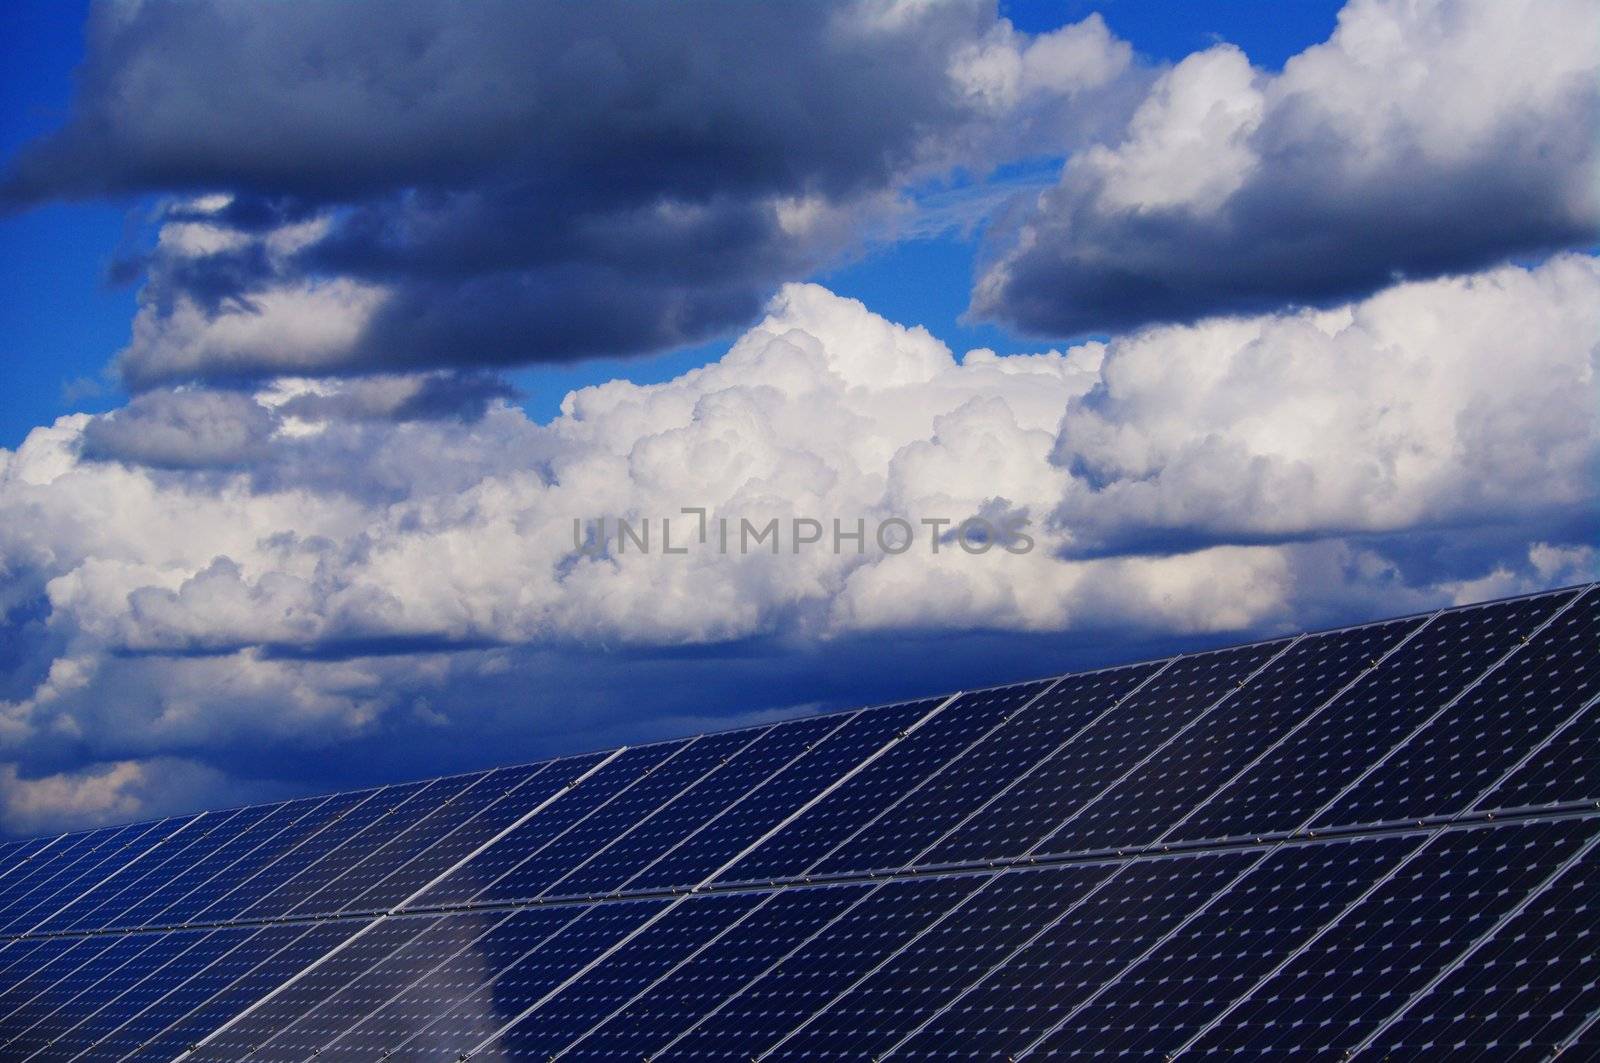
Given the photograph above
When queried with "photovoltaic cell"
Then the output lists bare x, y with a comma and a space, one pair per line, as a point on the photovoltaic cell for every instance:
780, 999
664, 851
166, 861
303, 844
1310, 768
1159, 1004
1139, 809
333, 1012
796, 844
920, 752
416, 993
1523, 992
776, 926
483, 875
941, 799
1377, 841
254, 1031
168, 970
611, 983
525, 963
1127, 913
590, 839
1448, 765
867, 1018
267, 961
1043, 794
1365, 966
1025, 732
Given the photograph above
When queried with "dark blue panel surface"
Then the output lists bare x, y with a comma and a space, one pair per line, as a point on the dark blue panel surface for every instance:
525, 964
46, 863
256, 872
52, 1010
405, 1015
1371, 718
1023, 733
1141, 808
612, 983
453, 833
178, 895
1158, 1005
45, 968
776, 927
866, 1019
60, 885
766, 1009
1564, 772
1362, 970
393, 843
319, 888
1048, 791
333, 970
589, 837
160, 972
413, 962
165, 861
1090, 944
241, 979
90, 991
1524, 991
632, 862
858, 803
478, 877
1466, 751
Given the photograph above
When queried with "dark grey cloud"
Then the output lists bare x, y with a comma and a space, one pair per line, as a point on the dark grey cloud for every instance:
506, 182
182, 430
1384, 153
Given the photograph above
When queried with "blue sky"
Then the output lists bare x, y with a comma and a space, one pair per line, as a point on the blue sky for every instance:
66, 318
1260, 346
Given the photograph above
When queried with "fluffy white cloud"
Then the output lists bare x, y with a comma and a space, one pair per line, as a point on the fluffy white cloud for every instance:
205, 575
1425, 137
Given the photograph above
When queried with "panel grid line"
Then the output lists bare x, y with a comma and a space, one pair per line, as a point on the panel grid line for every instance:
875, 968
670, 972
1149, 951
1483, 939
98, 864
1300, 725
1004, 961
1036, 765
936, 773
723, 1004
1306, 945
759, 733
1439, 713
756, 789
1171, 739
1576, 1035
861, 765
375, 921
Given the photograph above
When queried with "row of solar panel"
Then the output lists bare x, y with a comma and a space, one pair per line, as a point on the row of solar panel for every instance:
1476, 939
1405, 721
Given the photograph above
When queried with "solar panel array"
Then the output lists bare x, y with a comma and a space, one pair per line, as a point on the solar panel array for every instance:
1379, 841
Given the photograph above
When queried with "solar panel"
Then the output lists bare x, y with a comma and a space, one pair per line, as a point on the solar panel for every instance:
1380, 842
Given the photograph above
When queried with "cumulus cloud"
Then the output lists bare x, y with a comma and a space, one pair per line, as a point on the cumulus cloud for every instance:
110, 793
504, 183
1423, 138
207, 575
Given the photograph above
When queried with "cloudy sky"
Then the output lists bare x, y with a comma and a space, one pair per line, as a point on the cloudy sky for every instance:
325, 323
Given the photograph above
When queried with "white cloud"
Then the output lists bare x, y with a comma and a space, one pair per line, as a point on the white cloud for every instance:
355, 571
1424, 137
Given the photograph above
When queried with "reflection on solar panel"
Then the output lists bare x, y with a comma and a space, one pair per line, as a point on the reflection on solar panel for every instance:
1382, 841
